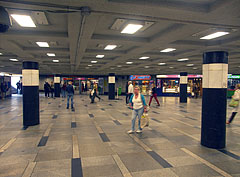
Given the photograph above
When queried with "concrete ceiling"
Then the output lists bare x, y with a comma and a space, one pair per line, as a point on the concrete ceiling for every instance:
77, 39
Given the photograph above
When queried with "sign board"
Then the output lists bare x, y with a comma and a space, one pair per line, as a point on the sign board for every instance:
178, 76
230, 76
140, 77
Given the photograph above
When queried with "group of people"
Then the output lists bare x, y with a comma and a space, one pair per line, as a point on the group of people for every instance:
49, 88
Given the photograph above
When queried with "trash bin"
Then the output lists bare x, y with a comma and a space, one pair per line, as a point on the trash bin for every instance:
119, 90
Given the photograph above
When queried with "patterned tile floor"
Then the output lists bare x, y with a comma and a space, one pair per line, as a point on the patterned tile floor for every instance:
92, 141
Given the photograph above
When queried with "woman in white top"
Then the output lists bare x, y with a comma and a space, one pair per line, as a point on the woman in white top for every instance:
138, 104
236, 96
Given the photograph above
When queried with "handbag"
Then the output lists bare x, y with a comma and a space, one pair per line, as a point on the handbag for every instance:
144, 120
234, 103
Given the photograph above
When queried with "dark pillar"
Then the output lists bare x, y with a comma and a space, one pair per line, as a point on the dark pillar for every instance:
214, 99
30, 83
111, 86
57, 88
183, 87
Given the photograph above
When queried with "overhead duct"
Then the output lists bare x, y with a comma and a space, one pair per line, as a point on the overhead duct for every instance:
5, 22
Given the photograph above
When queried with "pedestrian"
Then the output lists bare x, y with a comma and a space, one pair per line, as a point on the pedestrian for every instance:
46, 89
18, 87
195, 90
236, 97
52, 89
3, 90
154, 95
70, 94
129, 91
138, 106
92, 95
64, 87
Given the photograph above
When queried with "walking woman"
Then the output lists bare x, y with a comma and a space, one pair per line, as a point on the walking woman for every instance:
154, 95
236, 97
138, 105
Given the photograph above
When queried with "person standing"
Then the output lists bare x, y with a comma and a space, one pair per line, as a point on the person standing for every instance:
129, 92
154, 94
70, 93
52, 89
195, 90
3, 90
138, 106
64, 87
236, 97
18, 87
46, 89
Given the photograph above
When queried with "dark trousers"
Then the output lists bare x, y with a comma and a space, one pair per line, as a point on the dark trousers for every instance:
232, 117
92, 97
97, 97
46, 93
128, 96
52, 93
154, 96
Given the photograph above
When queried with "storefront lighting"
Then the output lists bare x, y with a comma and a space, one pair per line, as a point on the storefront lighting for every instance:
99, 56
215, 35
167, 50
110, 47
42, 44
13, 59
131, 28
144, 58
51, 54
55, 61
183, 59
23, 20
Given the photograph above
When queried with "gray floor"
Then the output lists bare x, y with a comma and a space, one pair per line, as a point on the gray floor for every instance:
92, 141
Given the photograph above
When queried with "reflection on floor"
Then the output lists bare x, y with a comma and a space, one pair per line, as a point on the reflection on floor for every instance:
92, 141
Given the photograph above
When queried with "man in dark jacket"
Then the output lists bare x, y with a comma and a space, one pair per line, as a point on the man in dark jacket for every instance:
46, 89
70, 93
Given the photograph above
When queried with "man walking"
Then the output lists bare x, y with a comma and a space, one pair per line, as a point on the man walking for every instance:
70, 93
129, 92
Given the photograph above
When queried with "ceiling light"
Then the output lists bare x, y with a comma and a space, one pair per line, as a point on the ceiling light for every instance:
168, 50
129, 62
24, 20
1, 54
42, 44
51, 54
99, 56
146, 66
195, 68
161, 64
190, 65
143, 58
89, 65
171, 67
55, 61
131, 28
13, 59
215, 35
111, 68
110, 47
119, 66
183, 59
94, 61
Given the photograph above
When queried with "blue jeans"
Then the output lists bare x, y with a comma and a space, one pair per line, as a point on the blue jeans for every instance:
137, 113
63, 93
68, 97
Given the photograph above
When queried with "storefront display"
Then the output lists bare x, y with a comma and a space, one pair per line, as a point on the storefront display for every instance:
143, 81
233, 80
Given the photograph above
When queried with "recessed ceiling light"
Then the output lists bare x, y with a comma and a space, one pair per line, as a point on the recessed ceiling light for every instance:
51, 54
168, 50
215, 35
94, 61
161, 64
13, 59
89, 65
146, 66
42, 44
129, 62
195, 68
99, 56
110, 47
111, 68
55, 61
183, 59
1, 54
119, 66
131, 28
143, 58
171, 67
190, 65
24, 20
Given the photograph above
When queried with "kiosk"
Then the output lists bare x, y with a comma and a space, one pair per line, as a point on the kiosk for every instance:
143, 81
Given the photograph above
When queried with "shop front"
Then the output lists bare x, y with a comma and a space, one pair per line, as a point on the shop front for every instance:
143, 81
233, 80
168, 85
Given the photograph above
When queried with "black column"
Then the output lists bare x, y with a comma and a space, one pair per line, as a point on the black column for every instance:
111, 86
57, 89
183, 87
30, 82
214, 99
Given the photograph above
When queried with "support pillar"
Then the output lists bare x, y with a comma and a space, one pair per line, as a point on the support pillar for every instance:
183, 87
111, 86
30, 83
57, 88
214, 99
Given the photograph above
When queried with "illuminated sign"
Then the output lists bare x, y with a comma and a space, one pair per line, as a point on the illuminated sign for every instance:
230, 76
139, 77
178, 76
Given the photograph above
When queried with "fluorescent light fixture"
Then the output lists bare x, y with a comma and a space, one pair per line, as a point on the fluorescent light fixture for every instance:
42, 44
110, 47
94, 61
23, 20
119, 66
161, 64
143, 58
13, 59
183, 59
111, 68
1, 54
171, 67
89, 65
146, 66
131, 28
129, 62
195, 68
215, 35
99, 56
190, 65
55, 61
167, 50
51, 54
